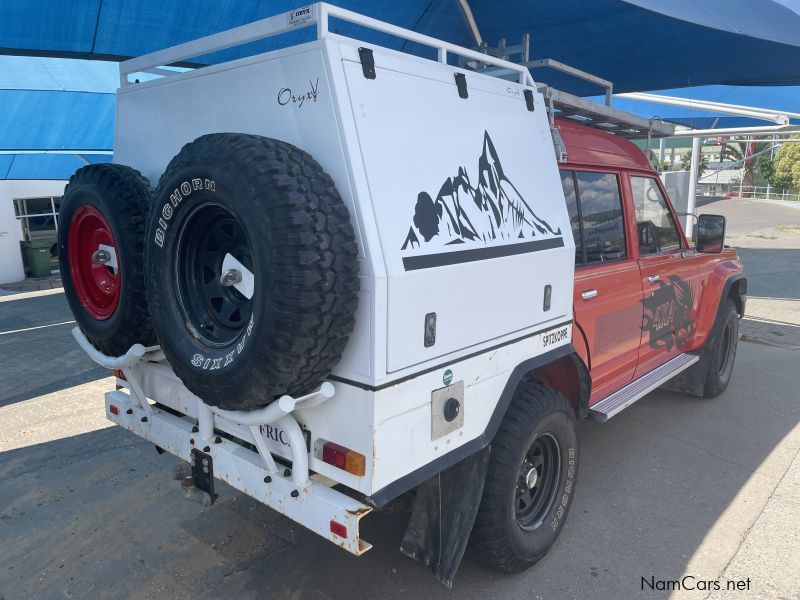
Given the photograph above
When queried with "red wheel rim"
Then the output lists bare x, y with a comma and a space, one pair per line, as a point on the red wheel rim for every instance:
97, 285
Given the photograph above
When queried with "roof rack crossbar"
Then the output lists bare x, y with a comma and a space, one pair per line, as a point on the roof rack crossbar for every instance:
314, 14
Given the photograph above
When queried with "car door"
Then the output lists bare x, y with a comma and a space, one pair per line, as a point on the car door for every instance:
608, 287
669, 276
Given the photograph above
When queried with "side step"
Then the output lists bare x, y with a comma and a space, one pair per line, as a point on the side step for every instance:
622, 399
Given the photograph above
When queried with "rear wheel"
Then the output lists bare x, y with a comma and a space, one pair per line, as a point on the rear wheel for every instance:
530, 481
722, 353
101, 255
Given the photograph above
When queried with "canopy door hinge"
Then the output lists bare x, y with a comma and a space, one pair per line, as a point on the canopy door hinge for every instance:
461, 84
529, 99
367, 62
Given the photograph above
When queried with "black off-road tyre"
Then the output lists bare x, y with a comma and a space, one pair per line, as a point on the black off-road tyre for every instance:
106, 203
272, 207
721, 354
506, 536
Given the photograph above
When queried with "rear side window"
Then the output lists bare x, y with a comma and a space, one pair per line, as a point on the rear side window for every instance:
596, 215
654, 221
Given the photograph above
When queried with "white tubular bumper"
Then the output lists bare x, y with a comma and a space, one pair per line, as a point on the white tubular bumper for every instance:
314, 506
297, 495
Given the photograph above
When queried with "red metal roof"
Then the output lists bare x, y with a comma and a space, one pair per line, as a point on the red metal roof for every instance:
590, 147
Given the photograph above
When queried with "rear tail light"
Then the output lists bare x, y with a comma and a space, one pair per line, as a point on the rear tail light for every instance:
344, 458
113, 409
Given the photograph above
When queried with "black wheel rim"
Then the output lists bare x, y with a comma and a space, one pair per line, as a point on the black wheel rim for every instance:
725, 348
214, 313
538, 481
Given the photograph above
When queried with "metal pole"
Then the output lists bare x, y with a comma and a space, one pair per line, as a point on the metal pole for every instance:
661, 150
690, 201
470, 19
741, 180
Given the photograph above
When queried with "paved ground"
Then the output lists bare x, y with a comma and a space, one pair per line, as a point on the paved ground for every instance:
673, 486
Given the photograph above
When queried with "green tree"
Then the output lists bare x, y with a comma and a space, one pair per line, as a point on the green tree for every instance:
786, 171
702, 164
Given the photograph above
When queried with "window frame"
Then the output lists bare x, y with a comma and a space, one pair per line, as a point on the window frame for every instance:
22, 215
580, 216
682, 244
620, 194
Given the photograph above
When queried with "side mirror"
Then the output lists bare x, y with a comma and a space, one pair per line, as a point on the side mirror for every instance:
710, 234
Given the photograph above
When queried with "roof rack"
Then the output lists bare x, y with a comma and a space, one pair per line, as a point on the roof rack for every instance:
605, 118
491, 61
576, 108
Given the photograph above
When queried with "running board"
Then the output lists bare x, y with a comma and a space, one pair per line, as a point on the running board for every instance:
622, 399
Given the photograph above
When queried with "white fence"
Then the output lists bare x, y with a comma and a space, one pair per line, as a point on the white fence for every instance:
734, 190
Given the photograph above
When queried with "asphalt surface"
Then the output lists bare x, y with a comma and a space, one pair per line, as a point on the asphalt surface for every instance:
673, 486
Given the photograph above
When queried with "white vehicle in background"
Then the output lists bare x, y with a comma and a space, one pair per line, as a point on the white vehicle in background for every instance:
354, 279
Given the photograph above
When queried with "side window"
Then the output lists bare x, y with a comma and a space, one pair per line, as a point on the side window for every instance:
568, 182
600, 209
655, 224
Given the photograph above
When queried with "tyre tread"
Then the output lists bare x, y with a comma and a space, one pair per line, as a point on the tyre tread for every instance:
490, 544
132, 195
315, 268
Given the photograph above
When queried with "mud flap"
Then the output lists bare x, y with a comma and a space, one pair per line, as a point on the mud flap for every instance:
443, 514
692, 381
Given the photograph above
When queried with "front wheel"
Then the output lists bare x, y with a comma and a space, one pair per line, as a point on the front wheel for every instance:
722, 352
530, 481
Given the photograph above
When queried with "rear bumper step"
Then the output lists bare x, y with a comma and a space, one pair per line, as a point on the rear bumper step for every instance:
622, 399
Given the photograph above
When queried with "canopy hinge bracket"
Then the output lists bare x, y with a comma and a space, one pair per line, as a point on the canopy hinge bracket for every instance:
367, 62
461, 84
529, 99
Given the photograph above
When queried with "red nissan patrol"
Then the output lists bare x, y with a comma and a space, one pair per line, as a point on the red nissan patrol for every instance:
646, 299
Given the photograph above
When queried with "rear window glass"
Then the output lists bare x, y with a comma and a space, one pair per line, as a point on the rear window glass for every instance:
568, 182
602, 224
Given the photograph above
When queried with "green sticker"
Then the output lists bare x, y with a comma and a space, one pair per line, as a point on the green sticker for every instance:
447, 378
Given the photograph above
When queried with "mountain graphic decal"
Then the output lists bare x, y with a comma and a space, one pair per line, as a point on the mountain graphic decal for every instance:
465, 213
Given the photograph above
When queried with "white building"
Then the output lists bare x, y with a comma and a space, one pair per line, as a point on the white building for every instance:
28, 211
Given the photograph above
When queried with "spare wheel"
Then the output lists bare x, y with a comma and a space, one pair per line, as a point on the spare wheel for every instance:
253, 271
101, 227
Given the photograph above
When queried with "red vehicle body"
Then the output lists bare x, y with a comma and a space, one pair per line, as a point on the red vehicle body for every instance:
637, 306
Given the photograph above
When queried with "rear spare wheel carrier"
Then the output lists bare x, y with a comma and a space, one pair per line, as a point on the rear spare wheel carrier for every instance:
101, 255
253, 268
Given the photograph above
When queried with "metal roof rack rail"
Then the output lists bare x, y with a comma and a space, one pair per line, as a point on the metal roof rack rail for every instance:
562, 104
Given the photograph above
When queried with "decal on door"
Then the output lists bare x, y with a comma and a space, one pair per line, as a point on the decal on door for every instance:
668, 314
474, 215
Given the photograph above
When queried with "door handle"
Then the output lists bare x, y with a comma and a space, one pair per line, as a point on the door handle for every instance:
653, 278
588, 294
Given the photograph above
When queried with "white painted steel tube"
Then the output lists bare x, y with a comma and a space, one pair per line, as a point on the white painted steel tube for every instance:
279, 24
205, 421
131, 357
205, 45
269, 414
297, 443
